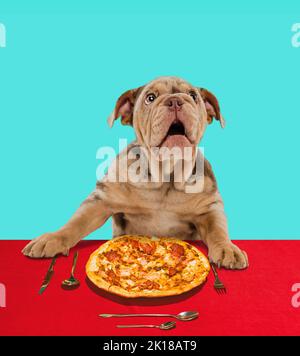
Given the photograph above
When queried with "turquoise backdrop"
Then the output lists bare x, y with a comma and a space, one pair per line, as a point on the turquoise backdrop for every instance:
66, 63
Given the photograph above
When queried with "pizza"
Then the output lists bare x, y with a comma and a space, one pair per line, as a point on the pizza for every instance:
140, 266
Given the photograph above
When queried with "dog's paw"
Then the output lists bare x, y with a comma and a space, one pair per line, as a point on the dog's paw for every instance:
228, 255
47, 245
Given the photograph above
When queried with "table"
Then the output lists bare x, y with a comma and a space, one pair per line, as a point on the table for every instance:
258, 300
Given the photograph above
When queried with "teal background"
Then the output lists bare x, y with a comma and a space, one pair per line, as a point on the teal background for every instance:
65, 65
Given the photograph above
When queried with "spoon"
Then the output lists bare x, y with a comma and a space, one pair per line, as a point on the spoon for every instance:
164, 326
183, 316
72, 282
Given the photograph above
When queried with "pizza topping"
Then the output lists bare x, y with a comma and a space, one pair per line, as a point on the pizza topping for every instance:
142, 261
153, 276
174, 281
134, 244
130, 282
147, 248
172, 271
160, 250
177, 250
156, 285
149, 285
192, 263
188, 276
181, 263
169, 259
112, 277
112, 256
125, 272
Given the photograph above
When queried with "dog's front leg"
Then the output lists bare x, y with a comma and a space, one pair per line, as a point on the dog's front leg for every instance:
90, 216
212, 228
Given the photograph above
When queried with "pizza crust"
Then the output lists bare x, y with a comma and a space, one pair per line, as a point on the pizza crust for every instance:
92, 269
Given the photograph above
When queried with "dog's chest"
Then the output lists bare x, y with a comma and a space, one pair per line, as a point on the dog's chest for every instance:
161, 212
160, 223
151, 201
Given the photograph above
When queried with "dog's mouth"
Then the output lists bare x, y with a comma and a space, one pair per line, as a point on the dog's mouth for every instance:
176, 128
176, 136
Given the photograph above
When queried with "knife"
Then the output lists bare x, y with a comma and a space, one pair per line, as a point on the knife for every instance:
48, 276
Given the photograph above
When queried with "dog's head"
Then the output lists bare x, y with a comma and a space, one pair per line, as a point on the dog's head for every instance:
167, 112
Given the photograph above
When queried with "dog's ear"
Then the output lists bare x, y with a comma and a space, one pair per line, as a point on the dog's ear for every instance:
124, 107
212, 107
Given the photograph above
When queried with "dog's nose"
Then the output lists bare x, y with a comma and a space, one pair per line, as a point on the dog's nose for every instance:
174, 103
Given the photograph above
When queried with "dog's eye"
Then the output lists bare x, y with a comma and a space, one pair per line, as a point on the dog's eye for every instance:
193, 95
150, 98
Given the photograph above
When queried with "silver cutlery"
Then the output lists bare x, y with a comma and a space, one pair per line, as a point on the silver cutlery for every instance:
164, 326
183, 316
72, 282
48, 276
218, 285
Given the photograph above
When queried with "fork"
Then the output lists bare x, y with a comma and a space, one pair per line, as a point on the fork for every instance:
164, 326
218, 285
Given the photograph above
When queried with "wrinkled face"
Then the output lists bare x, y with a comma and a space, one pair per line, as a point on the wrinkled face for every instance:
168, 112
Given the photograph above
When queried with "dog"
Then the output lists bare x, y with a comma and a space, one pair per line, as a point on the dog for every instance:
166, 113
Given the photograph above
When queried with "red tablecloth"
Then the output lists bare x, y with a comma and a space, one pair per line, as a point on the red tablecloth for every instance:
258, 300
